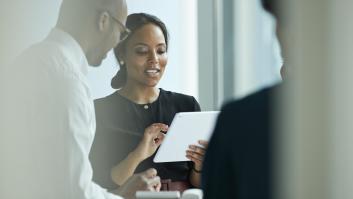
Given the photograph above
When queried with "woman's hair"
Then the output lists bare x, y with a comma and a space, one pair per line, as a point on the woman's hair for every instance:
134, 22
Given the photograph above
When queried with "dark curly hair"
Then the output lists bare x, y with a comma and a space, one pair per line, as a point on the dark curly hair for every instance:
134, 22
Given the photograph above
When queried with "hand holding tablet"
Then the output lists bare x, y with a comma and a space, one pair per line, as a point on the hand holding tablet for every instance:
196, 154
187, 129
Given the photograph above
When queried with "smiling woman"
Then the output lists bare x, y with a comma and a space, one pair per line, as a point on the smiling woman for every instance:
131, 121
146, 56
145, 52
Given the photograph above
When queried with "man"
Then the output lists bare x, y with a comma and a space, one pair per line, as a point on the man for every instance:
47, 114
238, 161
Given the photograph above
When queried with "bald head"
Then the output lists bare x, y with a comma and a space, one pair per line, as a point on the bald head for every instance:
93, 24
71, 9
111, 5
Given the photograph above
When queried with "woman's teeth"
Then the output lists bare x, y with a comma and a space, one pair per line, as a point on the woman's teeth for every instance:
152, 71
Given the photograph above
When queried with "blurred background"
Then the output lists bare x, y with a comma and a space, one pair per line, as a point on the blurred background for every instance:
208, 39
226, 49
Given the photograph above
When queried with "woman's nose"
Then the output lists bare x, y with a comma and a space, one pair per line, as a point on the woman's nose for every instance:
153, 58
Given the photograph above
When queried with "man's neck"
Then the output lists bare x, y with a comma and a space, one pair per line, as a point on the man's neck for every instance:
75, 34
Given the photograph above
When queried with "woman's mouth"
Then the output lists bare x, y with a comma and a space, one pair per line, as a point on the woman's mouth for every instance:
152, 72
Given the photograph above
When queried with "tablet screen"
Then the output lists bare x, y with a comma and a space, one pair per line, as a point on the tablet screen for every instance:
186, 129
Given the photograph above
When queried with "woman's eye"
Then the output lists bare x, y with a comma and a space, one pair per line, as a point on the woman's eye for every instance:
141, 51
145, 51
161, 51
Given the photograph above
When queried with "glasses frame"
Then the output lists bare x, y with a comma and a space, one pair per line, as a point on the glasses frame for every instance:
126, 31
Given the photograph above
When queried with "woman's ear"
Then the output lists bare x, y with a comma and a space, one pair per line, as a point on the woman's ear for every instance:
104, 20
121, 62
120, 55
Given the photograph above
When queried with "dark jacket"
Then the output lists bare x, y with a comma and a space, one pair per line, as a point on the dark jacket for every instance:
238, 161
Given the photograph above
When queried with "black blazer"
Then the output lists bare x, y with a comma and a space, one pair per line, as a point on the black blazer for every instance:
238, 159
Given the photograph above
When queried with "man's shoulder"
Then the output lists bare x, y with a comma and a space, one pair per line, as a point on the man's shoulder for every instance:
255, 107
253, 101
44, 67
44, 50
46, 58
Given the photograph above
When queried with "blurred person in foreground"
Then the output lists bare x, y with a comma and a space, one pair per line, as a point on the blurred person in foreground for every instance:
239, 160
47, 114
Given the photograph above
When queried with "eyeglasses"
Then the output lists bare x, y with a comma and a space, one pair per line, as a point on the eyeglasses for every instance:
125, 33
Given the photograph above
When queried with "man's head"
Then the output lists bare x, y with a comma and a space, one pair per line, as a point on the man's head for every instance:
95, 24
273, 7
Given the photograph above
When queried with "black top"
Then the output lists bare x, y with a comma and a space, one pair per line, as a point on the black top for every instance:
243, 136
120, 126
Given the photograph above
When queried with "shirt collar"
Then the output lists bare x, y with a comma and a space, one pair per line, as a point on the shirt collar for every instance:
76, 53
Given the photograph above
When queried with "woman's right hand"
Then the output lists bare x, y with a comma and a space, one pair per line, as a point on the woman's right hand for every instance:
152, 138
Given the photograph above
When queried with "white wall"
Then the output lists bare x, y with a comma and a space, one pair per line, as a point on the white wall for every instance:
237, 56
23, 23
257, 51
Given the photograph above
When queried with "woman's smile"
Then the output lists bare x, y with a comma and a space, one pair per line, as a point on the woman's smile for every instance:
152, 72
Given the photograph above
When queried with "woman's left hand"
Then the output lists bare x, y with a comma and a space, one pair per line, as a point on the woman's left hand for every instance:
196, 154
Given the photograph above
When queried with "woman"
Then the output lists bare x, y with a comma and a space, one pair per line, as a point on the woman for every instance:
131, 121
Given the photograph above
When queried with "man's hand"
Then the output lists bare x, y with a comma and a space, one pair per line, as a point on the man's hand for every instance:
145, 181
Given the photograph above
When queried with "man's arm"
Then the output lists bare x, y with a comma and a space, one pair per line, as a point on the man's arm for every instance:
81, 129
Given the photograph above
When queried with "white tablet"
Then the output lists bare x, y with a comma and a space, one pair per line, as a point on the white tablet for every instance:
158, 195
186, 129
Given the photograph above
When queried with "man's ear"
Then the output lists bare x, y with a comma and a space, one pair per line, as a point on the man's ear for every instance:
104, 20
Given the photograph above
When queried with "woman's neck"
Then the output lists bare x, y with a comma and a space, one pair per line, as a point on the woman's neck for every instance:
139, 94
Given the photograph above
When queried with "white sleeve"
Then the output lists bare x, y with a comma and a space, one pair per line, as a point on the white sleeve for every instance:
81, 128
47, 130
45, 139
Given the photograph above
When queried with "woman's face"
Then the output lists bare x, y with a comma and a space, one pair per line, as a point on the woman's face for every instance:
146, 56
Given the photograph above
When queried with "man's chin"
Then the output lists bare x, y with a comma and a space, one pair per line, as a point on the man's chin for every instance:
95, 63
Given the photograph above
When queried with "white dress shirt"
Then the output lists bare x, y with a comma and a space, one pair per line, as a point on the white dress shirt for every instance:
47, 124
